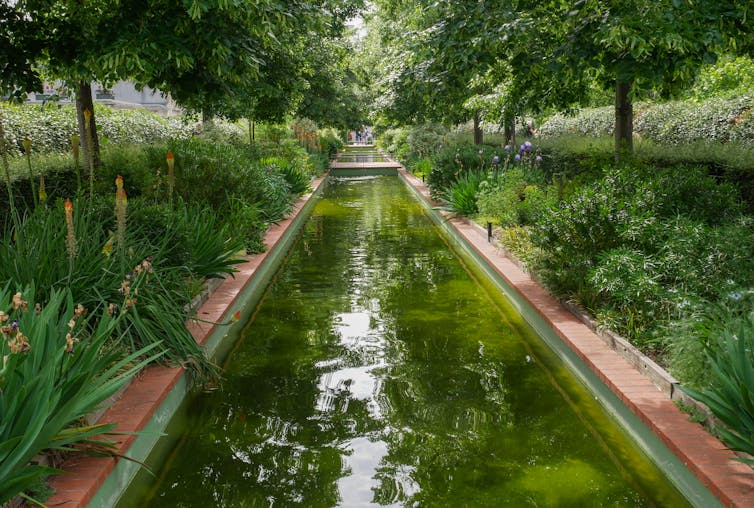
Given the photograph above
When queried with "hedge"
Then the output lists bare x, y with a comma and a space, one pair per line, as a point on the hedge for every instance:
675, 122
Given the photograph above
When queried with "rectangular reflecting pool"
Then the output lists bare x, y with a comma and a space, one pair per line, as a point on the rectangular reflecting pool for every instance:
380, 369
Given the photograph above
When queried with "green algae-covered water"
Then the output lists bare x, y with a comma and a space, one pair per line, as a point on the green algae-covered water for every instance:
377, 371
365, 157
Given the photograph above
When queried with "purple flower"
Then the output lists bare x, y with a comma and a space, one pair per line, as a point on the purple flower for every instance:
522, 149
507, 148
517, 158
495, 159
527, 145
538, 158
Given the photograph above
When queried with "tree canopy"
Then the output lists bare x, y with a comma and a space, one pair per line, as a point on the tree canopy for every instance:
421, 60
450, 59
225, 56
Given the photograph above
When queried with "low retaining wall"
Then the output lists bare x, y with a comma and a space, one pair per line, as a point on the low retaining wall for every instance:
148, 403
698, 463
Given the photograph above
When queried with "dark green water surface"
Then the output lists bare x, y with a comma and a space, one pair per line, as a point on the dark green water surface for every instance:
379, 371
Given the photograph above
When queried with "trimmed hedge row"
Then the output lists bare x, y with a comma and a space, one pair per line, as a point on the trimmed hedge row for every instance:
675, 122
50, 126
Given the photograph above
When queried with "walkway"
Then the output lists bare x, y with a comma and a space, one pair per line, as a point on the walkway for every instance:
365, 160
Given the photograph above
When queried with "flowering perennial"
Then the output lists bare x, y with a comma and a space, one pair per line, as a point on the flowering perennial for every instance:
71, 245
121, 203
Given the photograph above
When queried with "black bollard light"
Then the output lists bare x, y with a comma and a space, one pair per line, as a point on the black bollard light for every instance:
422, 177
489, 232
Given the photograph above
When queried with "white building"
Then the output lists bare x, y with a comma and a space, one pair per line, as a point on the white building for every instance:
123, 94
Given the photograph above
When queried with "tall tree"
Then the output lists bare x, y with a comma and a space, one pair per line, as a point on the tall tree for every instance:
203, 52
640, 45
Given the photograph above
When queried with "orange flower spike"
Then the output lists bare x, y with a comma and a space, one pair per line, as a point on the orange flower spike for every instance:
120, 193
171, 164
71, 245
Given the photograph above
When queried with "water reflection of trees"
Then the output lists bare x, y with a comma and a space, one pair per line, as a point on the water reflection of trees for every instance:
455, 413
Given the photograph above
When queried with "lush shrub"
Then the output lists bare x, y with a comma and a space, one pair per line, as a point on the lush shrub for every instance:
60, 182
134, 163
421, 167
512, 197
50, 126
221, 132
395, 142
728, 76
682, 122
453, 161
569, 155
517, 240
246, 221
700, 327
293, 171
592, 122
669, 123
272, 134
58, 366
631, 294
640, 241
317, 163
187, 236
424, 140
331, 142
212, 174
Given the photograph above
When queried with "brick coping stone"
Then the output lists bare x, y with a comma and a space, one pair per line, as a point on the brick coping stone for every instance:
84, 475
730, 481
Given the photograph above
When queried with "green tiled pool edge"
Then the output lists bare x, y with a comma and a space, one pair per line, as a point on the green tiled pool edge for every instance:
217, 346
677, 473
220, 342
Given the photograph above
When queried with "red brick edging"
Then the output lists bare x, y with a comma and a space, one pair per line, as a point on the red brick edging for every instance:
731, 482
704, 455
134, 408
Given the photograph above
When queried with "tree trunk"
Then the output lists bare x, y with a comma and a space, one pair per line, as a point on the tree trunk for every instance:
84, 101
510, 129
478, 134
624, 119
251, 132
207, 120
